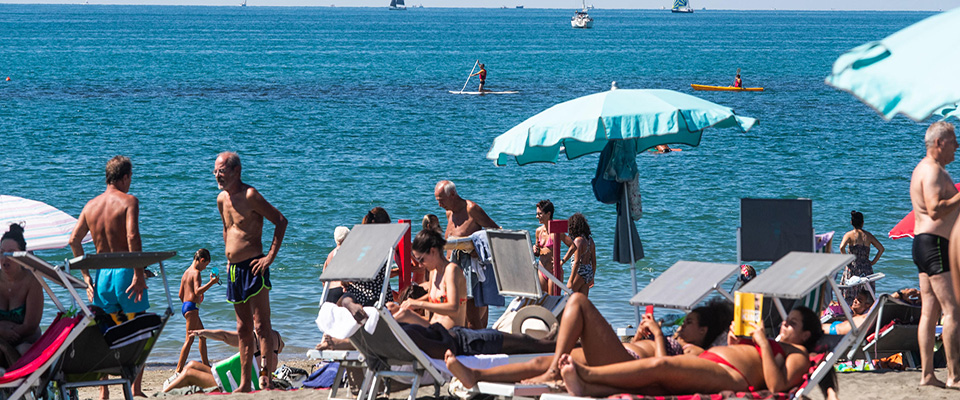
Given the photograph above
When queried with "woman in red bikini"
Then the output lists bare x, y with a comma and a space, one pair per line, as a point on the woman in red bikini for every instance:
447, 291
583, 323
762, 364
543, 248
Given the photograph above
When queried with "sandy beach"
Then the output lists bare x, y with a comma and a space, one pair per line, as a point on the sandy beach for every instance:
890, 385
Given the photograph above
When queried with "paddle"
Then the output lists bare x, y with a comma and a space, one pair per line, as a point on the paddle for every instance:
470, 76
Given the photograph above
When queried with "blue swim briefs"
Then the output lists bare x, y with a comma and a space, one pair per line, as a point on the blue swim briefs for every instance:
187, 307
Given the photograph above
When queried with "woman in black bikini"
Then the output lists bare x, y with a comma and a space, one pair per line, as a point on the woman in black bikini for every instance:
762, 364
21, 301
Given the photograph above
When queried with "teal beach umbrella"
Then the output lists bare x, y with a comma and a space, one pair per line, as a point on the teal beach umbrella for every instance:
646, 118
584, 125
911, 72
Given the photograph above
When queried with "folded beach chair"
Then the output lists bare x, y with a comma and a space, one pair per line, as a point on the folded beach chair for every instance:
516, 272
362, 255
120, 350
31, 373
895, 331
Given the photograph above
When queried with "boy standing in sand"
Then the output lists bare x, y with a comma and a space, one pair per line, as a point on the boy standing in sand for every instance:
191, 294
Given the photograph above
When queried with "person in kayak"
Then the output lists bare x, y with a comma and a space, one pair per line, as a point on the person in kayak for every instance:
738, 83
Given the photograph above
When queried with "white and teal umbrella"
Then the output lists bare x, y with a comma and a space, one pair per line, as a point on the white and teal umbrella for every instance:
584, 125
913, 72
648, 117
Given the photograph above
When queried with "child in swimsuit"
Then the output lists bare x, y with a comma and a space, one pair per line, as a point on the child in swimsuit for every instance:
191, 294
583, 267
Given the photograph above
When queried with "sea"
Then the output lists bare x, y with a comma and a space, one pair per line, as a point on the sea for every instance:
337, 110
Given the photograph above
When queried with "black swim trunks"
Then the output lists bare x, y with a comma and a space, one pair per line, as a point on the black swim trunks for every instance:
477, 341
930, 254
243, 283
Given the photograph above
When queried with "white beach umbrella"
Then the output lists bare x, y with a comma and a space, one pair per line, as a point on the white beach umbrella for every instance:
44, 226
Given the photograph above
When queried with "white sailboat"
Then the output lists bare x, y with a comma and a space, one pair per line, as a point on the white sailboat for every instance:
681, 6
580, 18
397, 5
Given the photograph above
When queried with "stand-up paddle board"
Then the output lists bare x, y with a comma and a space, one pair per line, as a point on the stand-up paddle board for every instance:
486, 92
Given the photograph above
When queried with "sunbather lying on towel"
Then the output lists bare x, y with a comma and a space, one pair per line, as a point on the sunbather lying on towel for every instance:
198, 374
762, 364
861, 304
600, 345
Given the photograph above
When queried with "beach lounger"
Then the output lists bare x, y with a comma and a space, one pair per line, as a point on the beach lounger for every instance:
31, 373
362, 256
897, 324
793, 277
516, 273
121, 350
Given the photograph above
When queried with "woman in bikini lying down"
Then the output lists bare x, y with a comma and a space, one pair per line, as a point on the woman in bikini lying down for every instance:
762, 364
447, 291
600, 345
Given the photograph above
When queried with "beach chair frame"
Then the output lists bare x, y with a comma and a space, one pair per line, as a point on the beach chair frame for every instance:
44, 271
95, 261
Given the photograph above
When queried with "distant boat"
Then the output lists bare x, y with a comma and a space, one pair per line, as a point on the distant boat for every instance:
581, 19
681, 6
519, 6
725, 88
243, 4
397, 5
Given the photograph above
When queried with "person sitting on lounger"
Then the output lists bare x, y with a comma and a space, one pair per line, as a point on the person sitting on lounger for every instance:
600, 345
861, 304
21, 305
762, 364
447, 292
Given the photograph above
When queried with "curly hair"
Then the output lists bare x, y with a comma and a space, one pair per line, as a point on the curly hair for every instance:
578, 226
716, 316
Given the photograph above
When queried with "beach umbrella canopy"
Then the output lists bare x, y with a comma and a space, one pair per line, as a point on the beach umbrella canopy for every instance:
911, 72
584, 125
639, 119
904, 228
44, 227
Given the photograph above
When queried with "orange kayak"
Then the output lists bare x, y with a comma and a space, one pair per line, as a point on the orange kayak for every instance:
725, 88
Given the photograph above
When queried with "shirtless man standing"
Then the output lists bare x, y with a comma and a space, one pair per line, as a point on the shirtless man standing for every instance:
242, 209
113, 220
465, 217
935, 201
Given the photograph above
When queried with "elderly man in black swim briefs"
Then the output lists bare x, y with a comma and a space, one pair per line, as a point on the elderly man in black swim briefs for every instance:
935, 205
242, 209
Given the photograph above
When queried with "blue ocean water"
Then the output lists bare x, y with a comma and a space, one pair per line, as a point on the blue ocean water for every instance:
337, 110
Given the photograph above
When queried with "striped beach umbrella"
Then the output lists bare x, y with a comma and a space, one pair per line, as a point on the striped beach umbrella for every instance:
44, 227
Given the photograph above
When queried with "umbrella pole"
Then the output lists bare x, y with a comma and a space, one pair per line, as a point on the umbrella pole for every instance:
469, 76
633, 262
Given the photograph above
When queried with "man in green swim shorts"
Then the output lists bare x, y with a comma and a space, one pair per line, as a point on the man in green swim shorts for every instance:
242, 210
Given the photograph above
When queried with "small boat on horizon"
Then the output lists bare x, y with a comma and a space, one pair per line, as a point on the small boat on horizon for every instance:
397, 5
681, 6
581, 19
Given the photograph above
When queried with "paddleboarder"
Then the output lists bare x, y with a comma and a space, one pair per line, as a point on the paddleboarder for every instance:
482, 73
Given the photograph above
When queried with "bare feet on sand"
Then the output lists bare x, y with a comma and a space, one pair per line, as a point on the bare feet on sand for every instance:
932, 381
331, 343
466, 375
571, 379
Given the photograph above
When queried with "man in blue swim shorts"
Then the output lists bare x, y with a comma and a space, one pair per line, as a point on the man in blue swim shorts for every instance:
242, 210
935, 206
113, 220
